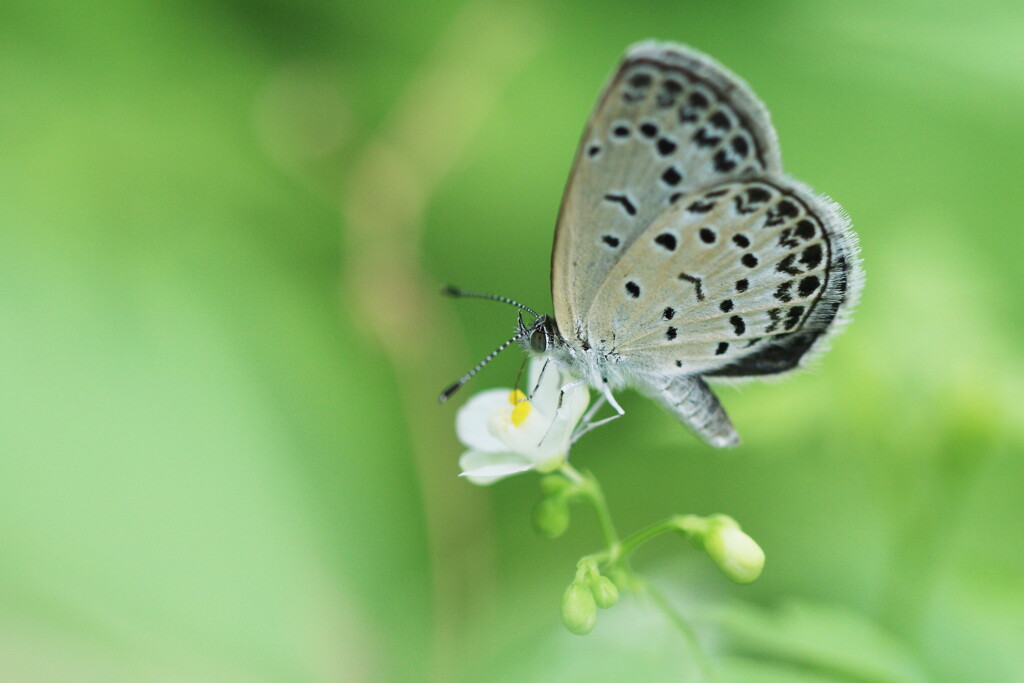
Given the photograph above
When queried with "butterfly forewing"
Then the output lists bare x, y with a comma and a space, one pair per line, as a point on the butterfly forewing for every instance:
670, 123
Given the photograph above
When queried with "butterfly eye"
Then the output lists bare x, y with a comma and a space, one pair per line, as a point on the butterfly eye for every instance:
539, 341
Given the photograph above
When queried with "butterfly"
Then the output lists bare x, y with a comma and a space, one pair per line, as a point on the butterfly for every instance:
682, 251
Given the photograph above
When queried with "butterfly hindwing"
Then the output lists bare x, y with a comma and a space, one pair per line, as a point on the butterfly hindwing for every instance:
744, 279
669, 123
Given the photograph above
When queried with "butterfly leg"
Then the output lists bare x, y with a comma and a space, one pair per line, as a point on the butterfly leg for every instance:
586, 425
592, 410
567, 387
540, 377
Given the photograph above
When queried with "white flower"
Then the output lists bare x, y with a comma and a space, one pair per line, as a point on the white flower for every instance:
507, 434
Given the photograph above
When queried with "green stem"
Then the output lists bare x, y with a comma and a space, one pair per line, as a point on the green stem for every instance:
591, 489
618, 552
635, 540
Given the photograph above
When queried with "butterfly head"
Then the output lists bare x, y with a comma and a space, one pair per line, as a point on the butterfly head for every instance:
540, 337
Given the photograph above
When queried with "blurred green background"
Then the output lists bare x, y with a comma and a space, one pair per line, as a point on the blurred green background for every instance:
223, 227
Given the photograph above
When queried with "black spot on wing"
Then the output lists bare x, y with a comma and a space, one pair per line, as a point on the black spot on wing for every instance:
611, 240
782, 292
624, 201
666, 240
701, 206
697, 285
640, 80
786, 265
696, 103
793, 316
704, 138
671, 176
720, 120
666, 146
786, 240
723, 162
805, 230
808, 285
740, 146
633, 289
637, 87
811, 256
791, 238
752, 200
668, 94
782, 212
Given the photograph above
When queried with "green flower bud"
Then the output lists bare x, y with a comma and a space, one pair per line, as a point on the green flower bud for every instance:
606, 593
735, 553
551, 517
579, 611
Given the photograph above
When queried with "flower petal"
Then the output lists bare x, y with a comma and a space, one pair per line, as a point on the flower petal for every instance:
526, 439
559, 430
545, 398
486, 468
545, 394
471, 422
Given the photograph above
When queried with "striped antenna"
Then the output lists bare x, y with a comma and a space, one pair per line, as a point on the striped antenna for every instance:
460, 293
447, 393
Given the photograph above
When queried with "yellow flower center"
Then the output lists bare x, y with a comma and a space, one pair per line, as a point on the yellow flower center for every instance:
521, 407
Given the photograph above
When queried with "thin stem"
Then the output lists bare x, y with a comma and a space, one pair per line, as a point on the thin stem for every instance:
635, 540
590, 487
572, 474
618, 552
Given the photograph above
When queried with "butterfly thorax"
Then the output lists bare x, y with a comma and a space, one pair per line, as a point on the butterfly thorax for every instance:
596, 364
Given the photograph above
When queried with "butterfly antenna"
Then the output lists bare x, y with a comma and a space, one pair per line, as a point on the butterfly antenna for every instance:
522, 368
461, 293
447, 393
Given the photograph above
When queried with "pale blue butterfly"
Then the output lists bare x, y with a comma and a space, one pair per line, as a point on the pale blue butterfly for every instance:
682, 250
